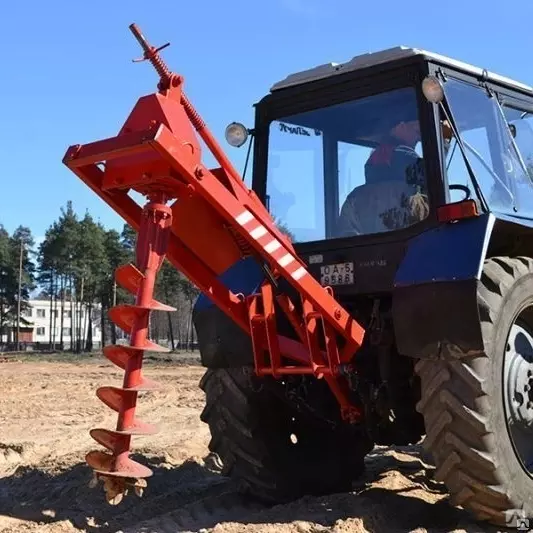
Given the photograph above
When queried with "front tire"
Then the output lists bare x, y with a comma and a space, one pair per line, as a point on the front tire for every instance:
474, 408
254, 432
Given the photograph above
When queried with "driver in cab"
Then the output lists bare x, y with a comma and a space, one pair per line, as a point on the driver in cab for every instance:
394, 195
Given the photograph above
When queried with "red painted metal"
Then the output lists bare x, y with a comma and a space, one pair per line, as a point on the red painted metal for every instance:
214, 220
138, 279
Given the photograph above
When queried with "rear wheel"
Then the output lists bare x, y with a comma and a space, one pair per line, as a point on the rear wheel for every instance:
274, 451
478, 411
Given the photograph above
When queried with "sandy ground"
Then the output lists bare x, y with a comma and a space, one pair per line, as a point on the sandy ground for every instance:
47, 409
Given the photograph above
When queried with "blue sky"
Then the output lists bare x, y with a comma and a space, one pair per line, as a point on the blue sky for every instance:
67, 75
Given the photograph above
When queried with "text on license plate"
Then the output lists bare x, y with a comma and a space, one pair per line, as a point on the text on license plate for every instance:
337, 274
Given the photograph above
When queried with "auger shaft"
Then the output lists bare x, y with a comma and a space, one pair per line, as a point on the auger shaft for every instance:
150, 253
117, 469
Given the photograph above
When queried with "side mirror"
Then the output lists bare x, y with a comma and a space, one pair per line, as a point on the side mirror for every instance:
522, 131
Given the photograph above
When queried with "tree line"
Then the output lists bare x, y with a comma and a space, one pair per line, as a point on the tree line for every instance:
73, 269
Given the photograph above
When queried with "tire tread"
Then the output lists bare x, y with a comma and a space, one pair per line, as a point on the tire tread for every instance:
454, 404
241, 421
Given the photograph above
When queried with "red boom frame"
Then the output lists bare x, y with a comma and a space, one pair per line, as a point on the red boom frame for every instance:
214, 221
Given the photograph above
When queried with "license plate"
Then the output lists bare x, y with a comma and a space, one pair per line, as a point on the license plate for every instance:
337, 274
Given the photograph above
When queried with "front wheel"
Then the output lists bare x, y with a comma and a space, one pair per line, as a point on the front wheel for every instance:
478, 410
268, 447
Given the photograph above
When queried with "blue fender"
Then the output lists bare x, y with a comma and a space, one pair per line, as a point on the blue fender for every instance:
222, 342
434, 299
451, 252
245, 276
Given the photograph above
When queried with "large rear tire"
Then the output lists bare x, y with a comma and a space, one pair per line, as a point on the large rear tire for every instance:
476, 408
254, 431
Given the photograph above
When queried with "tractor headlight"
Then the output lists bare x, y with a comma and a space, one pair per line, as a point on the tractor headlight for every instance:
433, 89
236, 134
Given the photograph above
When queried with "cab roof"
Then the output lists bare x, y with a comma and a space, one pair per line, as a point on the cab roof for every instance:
392, 55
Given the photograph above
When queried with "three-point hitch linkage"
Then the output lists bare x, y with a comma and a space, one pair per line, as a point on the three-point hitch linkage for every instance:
214, 220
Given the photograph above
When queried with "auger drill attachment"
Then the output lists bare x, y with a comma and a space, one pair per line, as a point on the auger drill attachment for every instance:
116, 469
213, 222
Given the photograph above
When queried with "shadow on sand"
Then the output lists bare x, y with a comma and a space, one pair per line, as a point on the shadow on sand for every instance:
193, 496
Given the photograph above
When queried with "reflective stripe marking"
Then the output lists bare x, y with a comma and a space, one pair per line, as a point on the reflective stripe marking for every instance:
272, 246
286, 259
244, 217
258, 232
299, 273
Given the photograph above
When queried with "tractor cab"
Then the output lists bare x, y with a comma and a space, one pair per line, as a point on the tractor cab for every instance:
388, 145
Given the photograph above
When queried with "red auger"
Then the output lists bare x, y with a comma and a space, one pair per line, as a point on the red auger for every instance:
117, 469
213, 222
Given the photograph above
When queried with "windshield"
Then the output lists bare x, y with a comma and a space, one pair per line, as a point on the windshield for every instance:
496, 157
349, 169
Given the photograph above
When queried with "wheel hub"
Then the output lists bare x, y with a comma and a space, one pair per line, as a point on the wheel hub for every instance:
518, 391
520, 385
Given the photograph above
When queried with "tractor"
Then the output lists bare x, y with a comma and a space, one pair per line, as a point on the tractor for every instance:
373, 287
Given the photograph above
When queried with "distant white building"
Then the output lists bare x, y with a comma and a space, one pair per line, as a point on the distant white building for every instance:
41, 330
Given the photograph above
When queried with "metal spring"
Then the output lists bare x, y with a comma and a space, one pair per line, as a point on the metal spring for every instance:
152, 54
193, 115
160, 67
242, 243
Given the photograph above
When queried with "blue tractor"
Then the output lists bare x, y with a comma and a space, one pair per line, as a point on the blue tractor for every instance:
404, 180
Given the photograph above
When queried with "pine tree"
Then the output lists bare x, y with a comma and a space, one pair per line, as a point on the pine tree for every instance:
92, 266
167, 290
6, 282
21, 244
17, 277
119, 251
76, 265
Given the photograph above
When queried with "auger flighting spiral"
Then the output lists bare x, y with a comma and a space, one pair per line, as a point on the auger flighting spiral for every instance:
117, 470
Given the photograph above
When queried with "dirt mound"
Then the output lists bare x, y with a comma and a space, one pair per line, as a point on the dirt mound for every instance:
47, 409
